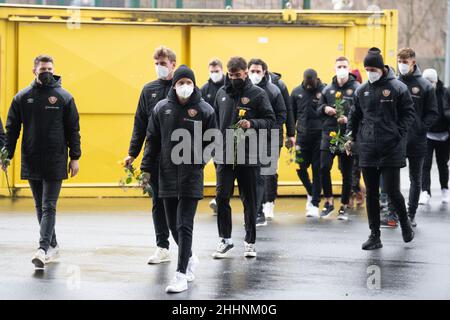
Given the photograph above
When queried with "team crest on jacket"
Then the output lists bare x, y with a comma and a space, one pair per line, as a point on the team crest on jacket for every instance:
245, 100
386, 93
349, 92
192, 113
415, 90
52, 99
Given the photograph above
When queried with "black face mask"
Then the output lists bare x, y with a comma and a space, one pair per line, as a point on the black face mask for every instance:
310, 85
237, 84
45, 78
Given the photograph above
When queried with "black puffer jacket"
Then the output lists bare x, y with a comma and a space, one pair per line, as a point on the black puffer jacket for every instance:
278, 106
151, 94
259, 113
209, 90
426, 115
50, 126
328, 98
290, 118
183, 179
379, 121
443, 123
304, 105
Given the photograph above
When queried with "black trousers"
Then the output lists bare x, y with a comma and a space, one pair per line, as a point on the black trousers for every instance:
356, 175
391, 181
267, 189
46, 194
442, 149
180, 218
247, 179
345, 166
415, 165
159, 217
310, 149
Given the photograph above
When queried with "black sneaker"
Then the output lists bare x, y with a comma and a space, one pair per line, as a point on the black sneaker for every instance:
327, 210
222, 250
389, 220
261, 221
373, 243
407, 231
343, 216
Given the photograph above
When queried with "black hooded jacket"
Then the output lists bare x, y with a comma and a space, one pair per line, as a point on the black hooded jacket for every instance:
183, 179
278, 106
426, 115
258, 111
151, 94
51, 125
290, 118
304, 104
210, 88
328, 98
443, 96
379, 122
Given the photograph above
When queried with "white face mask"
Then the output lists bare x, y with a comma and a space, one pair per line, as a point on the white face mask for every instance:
342, 73
216, 76
162, 72
184, 91
373, 76
255, 78
403, 68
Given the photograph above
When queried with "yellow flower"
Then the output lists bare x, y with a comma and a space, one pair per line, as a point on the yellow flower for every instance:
242, 112
137, 173
338, 95
333, 134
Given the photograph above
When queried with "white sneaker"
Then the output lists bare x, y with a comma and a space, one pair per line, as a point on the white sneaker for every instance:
308, 202
424, 198
250, 250
213, 206
445, 196
52, 254
223, 250
178, 284
39, 260
313, 212
268, 210
192, 265
161, 255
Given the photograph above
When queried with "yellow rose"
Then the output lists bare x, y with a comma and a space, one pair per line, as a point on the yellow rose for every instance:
333, 134
338, 95
242, 112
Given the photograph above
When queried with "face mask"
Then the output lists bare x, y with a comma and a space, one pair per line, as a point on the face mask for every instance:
216, 76
310, 85
342, 73
162, 72
255, 78
45, 78
184, 91
237, 84
403, 68
373, 76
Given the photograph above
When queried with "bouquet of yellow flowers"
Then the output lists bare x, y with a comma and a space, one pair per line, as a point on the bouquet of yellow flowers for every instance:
295, 155
339, 105
238, 133
136, 176
338, 141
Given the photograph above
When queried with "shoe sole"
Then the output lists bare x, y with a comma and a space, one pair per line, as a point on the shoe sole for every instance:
174, 291
269, 218
379, 246
161, 261
225, 255
250, 254
52, 260
342, 218
38, 264
261, 224
327, 216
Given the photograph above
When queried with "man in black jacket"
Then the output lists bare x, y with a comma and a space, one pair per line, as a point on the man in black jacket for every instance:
239, 105
152, 93
345, 85
50, 123
379, 122
425, 104
180, 180
209, 90
438, 141
258, 74
305, 101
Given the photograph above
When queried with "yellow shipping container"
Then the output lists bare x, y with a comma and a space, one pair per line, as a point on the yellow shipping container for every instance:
105, 57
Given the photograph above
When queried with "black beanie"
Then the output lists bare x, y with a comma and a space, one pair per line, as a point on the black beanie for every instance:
183, 71
310, 74
374, 59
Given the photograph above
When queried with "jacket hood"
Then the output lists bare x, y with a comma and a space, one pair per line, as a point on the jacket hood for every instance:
54, 84
229, 88
415, 74
194, 99
387, 76
275, 76
351, 80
